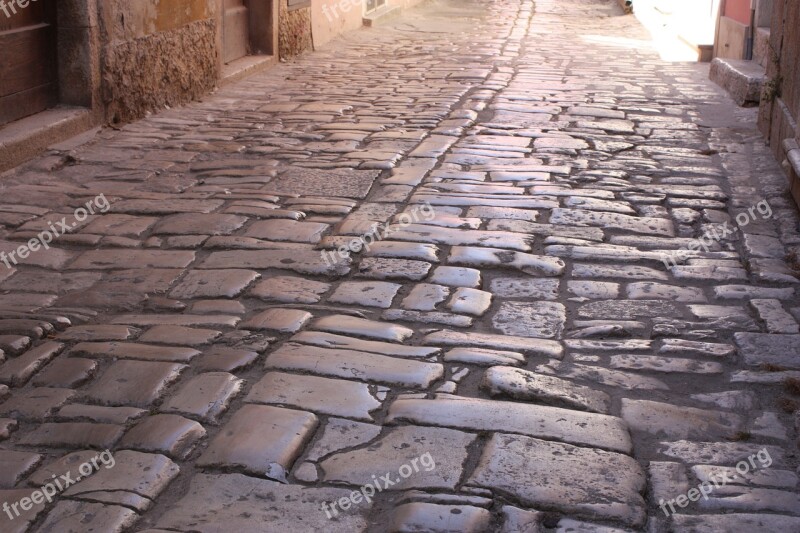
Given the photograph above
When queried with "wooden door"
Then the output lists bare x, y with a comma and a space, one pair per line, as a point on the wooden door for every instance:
235, 28
28, 68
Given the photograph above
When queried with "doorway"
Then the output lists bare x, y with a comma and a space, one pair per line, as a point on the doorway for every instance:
372, 5
28, 68
236, 30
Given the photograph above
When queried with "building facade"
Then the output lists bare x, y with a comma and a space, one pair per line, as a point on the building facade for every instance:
68, 65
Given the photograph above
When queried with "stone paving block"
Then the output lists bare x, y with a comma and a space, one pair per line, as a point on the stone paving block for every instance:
23, 516
329, 340
420, 516
473, 414
290, 289
678, 421
362, 328
133, 383
171, 435
131, 350
405, 445
179, 335
512, 464
99, 413
280, 320
536, 265
365, 293
536, 319
397, 269
224, 359
75, 517
350, 364
340, 434
198, 224
73, 435
19, 370
765, 348
205, 396
67, 373
299, 261
456, 277
321, 395
537, 289
213, 284
238, 502
135, 480
15, 465
258, 436
501, 342
36, 403
119, 259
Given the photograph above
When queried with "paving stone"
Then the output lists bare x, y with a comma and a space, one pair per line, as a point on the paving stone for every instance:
329, 340
473, 414
97, 333
99, 413
35, 403
768, 478
502, 342
404, 250
582, 270
529, 386
399, 269
257, 436
287, 230
280, 320
75, 517
73, 435
537, 319
340, 434
593, 290
15, 465
224, 359
756, 523
19, 370
350, 364
321, 395
718, 453
456, 277
297, 260
362, 328
652, 291
179, 335
765, 348
177, 320
135, 480
131, 350
677, 421
521, 521
199, 224
537, 289
366, 293
512, 464
537, 265
737, 292
133, 383
483, 357
578, 217
752, 499
446, 450
425, 297
23, 516
419, 516
120, 259
238, 502
7, 427
205, 396
668, 480
68, 373
598, 374
213, 284
667, 365
776, 318
290, 289
628, 309
431, 317
687, 347
171, 435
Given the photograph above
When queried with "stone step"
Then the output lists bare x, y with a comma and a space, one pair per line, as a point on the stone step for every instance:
741, 78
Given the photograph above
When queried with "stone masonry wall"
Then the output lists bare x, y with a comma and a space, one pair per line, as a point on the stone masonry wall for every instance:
295, 31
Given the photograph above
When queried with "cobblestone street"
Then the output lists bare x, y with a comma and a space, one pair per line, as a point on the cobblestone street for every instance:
491, 267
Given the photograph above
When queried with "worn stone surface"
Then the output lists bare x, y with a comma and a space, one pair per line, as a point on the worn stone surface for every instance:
506, 233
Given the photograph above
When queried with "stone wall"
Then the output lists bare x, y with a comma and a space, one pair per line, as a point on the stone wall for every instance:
780, 105
156, 53
295, 31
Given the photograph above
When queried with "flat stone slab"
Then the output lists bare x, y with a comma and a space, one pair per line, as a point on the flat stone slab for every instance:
300, 261
333, 182
335, 397
765, 348
474, 414
350, 364
645, 225
530, 386
577, 481
446, 451
678, 421
753, 523
367, 293
233, 502
361, 327
258, 436
544, 320
531, 346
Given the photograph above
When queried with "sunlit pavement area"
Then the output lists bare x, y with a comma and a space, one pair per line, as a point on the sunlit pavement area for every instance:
497, 261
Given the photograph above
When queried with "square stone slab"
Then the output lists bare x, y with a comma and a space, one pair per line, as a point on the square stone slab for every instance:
580, 482
366, 293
